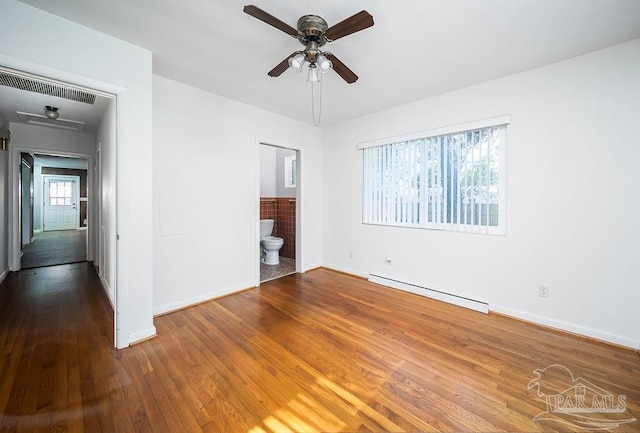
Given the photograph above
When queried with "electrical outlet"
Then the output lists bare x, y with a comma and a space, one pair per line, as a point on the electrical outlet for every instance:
543, 291
350, 254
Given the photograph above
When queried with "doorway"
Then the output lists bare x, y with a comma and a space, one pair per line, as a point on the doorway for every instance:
59, 218
67, 209
279, 210
60, 205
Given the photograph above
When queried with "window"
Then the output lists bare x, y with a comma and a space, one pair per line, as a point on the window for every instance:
290, 175
448, 179
60, 193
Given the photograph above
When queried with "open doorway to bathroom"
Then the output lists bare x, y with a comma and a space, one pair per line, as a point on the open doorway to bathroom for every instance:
278, 211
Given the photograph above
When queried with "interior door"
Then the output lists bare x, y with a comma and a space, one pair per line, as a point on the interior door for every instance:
61, 203
26, 205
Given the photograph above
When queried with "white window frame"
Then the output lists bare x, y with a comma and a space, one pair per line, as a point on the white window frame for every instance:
290, 172
410, 220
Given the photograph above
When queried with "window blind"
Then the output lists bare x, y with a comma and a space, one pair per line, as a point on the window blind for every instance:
449, 182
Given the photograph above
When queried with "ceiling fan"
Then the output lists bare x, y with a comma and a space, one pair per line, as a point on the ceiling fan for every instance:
313, 32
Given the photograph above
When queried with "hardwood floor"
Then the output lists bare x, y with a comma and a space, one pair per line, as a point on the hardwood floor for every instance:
315, 352
55, 248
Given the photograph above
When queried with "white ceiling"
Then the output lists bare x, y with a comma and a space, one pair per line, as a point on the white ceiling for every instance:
416, 49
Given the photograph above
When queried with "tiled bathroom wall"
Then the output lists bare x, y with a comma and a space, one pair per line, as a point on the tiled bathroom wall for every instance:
283, 211
286, 226
268, 210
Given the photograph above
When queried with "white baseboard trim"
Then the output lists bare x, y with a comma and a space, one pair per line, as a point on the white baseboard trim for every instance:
4, 275
568, 327
142, 335
184, 303
450, 298
107, 290
345, 270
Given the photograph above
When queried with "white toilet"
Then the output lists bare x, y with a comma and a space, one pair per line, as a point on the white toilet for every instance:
269, 245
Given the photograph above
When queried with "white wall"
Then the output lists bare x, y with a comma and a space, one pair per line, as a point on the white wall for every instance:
268, 173
4, 224
573, 169
4, 197
51, 140
65, 162
89, 58
272, 172
206, 188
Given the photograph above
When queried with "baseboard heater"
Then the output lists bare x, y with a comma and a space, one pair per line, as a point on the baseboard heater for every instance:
450, 298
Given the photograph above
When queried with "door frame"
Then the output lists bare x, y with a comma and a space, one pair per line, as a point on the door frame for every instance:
299, 190
15, 248
131, 94
76, 179
27, 194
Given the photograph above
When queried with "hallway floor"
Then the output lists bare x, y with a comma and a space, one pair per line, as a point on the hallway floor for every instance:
55, 248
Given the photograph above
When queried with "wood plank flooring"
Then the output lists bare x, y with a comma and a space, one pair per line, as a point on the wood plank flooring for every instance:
315, 352
55, 248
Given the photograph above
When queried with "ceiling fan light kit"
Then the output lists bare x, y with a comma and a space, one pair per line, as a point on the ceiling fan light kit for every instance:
324, 63
313, 76
297, 62
313, 33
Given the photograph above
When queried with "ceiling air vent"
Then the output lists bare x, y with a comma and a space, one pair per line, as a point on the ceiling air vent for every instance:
32, 84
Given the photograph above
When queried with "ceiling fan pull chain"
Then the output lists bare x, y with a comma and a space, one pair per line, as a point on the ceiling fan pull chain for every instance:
313, 105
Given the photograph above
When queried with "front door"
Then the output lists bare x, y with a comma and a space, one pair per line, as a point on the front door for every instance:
60, 203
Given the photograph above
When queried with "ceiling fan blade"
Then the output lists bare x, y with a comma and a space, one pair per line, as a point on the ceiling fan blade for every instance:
281, 67
342, 69
355, 23
270, 19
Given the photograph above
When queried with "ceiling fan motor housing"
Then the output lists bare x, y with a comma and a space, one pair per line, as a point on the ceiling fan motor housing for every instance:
312, 28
